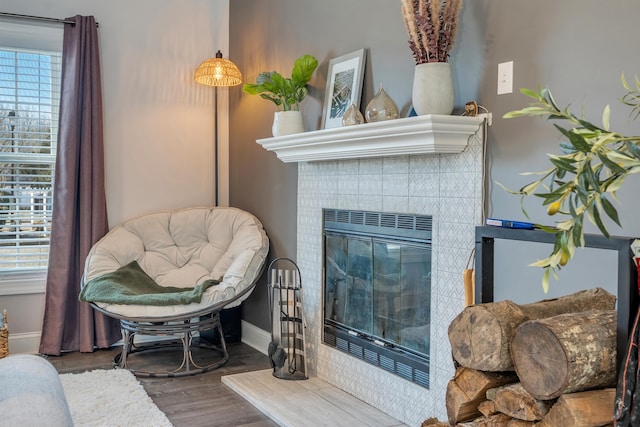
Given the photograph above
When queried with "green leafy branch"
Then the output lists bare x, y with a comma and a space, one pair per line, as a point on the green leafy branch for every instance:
584, 179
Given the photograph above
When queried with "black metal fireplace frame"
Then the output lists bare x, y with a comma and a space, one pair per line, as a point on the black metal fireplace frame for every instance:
393, 359
398, 360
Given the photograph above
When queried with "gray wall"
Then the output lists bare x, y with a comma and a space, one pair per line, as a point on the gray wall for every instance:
578, 48
270, 35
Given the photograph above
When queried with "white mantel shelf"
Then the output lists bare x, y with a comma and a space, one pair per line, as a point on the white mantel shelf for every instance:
429, 134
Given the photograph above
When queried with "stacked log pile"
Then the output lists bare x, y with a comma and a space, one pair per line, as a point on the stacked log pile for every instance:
546, 364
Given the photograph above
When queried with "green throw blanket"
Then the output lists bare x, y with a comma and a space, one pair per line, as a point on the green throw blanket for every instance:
131, 285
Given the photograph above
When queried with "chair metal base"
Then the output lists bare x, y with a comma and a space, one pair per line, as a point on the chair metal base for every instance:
184, 330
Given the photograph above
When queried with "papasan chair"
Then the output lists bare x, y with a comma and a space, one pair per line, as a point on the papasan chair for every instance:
138, 273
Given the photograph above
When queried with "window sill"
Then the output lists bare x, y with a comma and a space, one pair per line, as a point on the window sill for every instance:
22, 283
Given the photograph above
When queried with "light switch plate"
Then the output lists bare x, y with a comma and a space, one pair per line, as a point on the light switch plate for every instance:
505, 78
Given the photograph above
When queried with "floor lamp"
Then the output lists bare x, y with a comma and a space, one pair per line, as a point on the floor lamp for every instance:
217, 72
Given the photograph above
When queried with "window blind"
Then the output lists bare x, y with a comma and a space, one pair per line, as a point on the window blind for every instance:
29, 104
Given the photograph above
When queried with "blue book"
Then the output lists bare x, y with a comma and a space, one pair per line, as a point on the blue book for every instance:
510, 224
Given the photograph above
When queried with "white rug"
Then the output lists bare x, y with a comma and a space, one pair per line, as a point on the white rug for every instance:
111, 397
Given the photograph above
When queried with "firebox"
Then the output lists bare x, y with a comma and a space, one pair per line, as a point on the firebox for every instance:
377, 289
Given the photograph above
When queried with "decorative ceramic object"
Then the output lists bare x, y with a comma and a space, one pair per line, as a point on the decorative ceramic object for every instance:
433, 88
381, 107
352, 116
287, 123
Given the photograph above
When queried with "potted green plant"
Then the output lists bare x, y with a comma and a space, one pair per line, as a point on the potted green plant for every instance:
583, 180
286, 93
432, 26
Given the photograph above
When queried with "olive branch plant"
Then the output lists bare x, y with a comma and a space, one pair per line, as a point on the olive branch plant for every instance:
584, 179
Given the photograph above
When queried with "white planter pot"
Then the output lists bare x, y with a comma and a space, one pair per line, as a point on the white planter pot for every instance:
287, 122
433, 91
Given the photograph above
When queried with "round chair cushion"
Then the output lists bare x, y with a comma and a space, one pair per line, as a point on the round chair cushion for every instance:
182, 249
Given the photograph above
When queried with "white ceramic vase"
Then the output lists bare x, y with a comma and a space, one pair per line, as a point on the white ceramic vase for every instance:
433, 91
287, 123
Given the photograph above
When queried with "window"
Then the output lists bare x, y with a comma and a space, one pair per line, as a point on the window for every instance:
29, 104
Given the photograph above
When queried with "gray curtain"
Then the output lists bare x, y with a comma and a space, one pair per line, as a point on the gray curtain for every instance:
79, 205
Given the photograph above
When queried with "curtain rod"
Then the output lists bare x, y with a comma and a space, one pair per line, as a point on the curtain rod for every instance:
38, 18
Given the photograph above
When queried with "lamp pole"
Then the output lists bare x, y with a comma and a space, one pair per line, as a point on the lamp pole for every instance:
215, 144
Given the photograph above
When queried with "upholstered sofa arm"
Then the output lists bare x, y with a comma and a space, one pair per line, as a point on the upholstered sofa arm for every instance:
31, 393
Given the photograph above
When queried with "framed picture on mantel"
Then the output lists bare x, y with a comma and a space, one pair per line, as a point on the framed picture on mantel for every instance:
344, 87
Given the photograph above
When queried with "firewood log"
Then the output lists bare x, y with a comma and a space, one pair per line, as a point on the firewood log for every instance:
520, 423
480, 334
433, 422
467, 390
585, 409
517, 402
491, 393
487, 408
496, 420
566, 353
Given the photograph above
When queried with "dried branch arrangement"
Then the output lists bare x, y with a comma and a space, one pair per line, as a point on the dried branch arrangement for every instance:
432, 26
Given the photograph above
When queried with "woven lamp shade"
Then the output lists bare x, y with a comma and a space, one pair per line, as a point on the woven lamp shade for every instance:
218, 72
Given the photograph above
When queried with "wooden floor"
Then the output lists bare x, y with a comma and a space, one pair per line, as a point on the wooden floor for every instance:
193, 401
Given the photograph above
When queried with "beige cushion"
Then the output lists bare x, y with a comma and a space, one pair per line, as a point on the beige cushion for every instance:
184, 248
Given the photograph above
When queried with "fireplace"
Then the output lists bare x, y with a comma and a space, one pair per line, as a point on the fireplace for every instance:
446, 186
377, 289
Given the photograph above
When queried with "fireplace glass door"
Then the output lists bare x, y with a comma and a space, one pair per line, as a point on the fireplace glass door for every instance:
379, 288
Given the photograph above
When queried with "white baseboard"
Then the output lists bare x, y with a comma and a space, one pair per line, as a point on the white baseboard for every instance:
24, 343
255, 337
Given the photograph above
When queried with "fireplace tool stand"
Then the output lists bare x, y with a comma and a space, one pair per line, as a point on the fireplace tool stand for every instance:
286, 349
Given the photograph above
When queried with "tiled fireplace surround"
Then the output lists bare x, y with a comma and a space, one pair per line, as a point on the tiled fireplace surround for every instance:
446, 186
